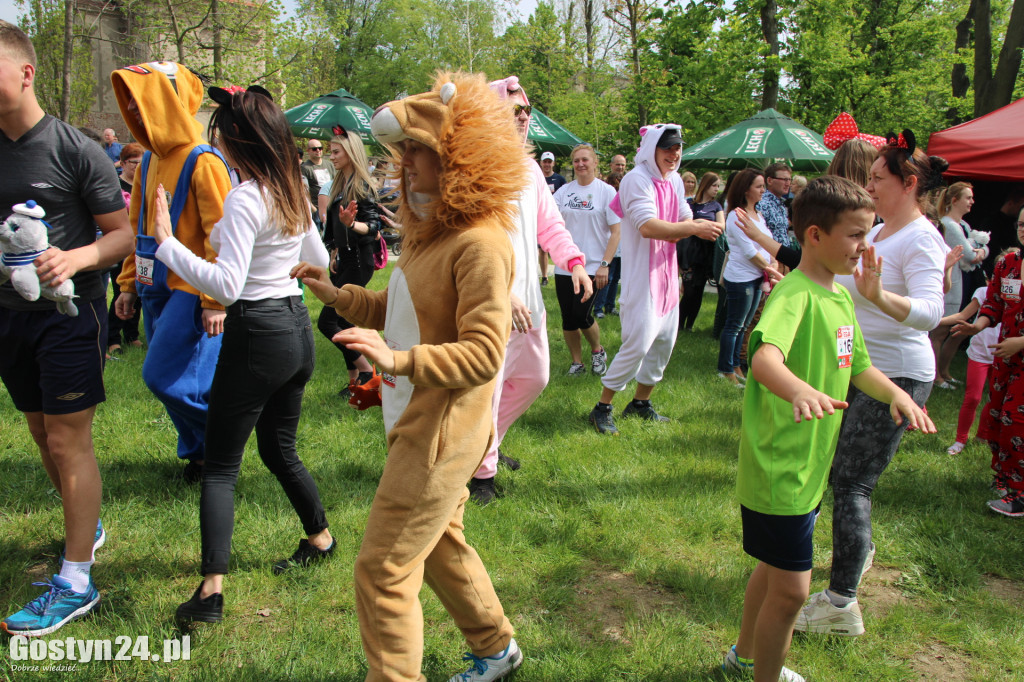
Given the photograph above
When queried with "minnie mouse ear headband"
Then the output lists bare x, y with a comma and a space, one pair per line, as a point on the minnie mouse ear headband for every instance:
222, 96
844, 128
417, 117
905, 140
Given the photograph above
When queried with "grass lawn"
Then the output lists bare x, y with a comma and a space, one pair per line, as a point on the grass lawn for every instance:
615, 558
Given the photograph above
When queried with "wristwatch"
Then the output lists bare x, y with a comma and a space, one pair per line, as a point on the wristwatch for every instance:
604, 264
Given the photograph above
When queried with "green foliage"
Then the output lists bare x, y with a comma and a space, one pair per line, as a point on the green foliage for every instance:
43, 21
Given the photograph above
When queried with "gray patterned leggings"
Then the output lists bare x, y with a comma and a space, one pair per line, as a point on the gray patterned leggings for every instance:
868, 441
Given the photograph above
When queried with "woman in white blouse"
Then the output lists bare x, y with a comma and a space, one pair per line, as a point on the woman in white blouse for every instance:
895, 322
743, 273
267, 354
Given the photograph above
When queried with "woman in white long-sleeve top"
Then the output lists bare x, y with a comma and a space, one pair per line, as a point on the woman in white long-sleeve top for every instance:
267, 354
895, 322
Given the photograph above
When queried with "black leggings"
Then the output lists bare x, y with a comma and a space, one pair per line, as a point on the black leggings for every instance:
868, 440
330, 322
265, 360
694, 281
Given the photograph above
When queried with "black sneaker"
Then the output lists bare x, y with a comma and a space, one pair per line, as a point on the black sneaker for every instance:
643, 409
543, 281
601, 418
192, 473
512, 464
481, 490
345, 393
196, 609
304, 556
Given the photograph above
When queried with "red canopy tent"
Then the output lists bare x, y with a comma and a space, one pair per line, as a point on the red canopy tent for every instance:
988, 148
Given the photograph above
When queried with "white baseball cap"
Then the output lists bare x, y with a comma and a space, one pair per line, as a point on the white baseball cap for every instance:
547, 155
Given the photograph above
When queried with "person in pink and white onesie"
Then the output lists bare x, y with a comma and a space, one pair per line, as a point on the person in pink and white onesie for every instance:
525, 372
655, 215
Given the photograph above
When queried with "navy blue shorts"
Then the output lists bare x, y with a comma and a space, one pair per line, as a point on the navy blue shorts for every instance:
52, 363
784, 542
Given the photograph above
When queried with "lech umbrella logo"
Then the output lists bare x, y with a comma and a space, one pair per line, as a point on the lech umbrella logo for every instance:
755, 141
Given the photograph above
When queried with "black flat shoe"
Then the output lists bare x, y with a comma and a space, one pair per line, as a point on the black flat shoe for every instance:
304, 556
196, 609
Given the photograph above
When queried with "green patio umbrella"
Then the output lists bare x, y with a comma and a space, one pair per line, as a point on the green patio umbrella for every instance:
548, 136
317, 118
758, 141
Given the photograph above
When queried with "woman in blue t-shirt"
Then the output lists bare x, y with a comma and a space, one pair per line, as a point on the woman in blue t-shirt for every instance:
696, 255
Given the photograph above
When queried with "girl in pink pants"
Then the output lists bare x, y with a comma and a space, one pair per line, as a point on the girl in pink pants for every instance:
979, 367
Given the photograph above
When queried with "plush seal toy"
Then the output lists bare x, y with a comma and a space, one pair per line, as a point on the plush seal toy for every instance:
22, 240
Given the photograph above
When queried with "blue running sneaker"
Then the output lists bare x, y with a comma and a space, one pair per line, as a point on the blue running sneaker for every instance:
495, 667
52, 609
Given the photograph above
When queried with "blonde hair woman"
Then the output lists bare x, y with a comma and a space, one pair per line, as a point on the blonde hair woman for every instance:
352, 230
585, 206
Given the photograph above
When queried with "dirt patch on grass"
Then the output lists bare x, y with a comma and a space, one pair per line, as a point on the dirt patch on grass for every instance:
939, 662
1004, 589
609, 599
879, 591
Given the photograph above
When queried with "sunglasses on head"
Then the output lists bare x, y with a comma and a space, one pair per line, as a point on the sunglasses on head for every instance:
519, 108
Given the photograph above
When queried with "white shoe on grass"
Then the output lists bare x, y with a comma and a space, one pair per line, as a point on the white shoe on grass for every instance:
735, 666
491, 668
820, 616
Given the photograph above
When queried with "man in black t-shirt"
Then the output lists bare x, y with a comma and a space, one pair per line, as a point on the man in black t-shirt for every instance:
52, 364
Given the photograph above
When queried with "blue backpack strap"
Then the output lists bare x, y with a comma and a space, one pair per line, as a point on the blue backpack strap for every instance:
143, 172
182, 187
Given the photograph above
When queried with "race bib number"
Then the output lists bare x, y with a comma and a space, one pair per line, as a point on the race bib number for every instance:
386, 378
1010, 289
144, 270
844, 346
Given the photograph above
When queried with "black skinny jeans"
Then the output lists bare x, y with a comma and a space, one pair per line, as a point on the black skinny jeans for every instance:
352, 269
266, 358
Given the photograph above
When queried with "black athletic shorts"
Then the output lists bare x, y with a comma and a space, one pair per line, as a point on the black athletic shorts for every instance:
53, 363
781, 541
576, 314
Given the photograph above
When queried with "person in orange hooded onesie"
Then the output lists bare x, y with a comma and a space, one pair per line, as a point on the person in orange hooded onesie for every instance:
158, 101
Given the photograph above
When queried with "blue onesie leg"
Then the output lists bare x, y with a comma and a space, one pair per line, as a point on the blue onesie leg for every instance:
180, 364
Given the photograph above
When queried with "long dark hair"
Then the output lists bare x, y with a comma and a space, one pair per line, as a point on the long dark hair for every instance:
741, 182
253, 131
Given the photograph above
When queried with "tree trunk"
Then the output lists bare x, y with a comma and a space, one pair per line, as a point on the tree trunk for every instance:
217, 51
69, 46
960, 82
770, 31
982, 54
589, 17
1001, 88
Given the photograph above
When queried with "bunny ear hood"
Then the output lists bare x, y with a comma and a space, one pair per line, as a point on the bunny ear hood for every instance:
649, 137
483, 161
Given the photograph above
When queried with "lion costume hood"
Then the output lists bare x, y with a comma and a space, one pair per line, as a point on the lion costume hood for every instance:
483, 162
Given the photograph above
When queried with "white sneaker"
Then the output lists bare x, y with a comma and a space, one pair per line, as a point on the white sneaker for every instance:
599, 362
577, 369
493, 667
821, 616
955, 449
733, 666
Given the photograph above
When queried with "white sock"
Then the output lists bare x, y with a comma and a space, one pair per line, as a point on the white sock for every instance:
838, 599
76, 573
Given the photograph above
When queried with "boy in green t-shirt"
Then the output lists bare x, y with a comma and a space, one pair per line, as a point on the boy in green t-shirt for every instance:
806, 350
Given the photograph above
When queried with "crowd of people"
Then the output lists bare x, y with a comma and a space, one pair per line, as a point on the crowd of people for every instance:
842, 303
